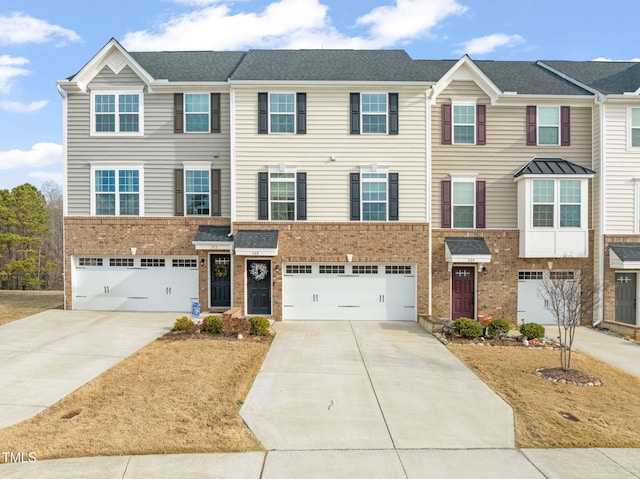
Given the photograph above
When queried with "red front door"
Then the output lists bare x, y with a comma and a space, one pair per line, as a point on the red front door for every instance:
462, 292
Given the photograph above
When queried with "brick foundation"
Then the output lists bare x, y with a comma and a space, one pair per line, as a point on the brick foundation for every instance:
609, 279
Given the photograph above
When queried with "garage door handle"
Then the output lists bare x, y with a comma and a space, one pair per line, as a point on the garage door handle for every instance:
106, 289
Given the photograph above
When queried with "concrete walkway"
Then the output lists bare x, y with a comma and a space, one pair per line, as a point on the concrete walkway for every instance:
47, 356
618, 352
370, 385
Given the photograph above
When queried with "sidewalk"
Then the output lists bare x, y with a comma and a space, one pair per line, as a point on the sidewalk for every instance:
611, 349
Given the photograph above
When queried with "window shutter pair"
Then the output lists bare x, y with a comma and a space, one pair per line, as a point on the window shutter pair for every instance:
446, 207
354, 196
532, 127
263, 113
392, 115
263, 196
215, 206
447, 124
178, 112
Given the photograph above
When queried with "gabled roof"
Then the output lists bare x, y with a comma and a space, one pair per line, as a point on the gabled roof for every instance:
552, 166
328, 65
606, 77
189, 66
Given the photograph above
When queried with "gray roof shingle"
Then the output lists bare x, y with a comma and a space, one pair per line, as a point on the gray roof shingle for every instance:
189, 66
552, 166
210, 233
257, 239
626, 251
606, 77
467, 246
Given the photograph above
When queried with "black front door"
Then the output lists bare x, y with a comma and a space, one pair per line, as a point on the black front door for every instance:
220, 280
258, 286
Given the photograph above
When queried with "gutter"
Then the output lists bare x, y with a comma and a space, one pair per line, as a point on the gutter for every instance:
599, 316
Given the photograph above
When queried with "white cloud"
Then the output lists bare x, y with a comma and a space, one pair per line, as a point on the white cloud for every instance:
604, 59
17, 28
18, 107
40, 154
10, 67
487, 44
44, 176
289, 24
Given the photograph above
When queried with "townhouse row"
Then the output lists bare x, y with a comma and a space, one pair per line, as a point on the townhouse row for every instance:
349, 184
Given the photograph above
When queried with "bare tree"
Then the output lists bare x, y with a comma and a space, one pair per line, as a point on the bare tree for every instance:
52, 249
570, 297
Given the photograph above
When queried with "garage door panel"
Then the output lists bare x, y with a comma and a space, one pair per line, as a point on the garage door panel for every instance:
531, 306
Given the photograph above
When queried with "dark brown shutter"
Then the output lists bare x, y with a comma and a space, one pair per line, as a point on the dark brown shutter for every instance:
565, 126
216, 193
393, 197
263, 196
178, 113
301, 113
445, 203
354, 109
393, 113
532, 127
215, 113
263, 113
354, 196
481, 124
446, 124
480, 204
178, 188
301, 196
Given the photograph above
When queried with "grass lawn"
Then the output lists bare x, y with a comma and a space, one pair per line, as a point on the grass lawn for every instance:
19, 304
607, 416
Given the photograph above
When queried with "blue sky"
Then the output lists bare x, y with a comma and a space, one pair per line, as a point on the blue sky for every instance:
43, 41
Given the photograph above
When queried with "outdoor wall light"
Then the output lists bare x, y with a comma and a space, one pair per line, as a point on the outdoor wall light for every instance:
277, 268
202, 262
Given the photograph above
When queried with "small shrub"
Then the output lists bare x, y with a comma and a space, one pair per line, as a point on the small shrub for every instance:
235, 326
211, 324
185, 324
496, 327
467, 328
259, 326
532, 330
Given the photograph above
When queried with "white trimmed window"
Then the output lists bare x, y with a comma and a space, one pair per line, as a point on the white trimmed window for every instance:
463, 203
118, 113
464, 123
557, 203
548, 125
197, 192
634, 127
116, 191
282, 109
196, 113
373, 111
282, 194
374, 196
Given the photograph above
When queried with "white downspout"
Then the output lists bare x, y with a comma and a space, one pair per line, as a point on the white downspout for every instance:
65, 189
429, 94
602, 201
232, 151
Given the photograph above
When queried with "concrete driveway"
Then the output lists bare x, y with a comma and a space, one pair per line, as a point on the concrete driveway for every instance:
49, 355
370, 385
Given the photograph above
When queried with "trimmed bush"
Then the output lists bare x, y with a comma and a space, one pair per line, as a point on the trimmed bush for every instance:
184, 323
496, 327
259, 326
211, 324
532, 330
235, 326
467, 328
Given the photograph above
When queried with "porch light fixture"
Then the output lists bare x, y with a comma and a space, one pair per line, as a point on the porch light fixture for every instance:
349, 257
202, 262
277, 268
133, 251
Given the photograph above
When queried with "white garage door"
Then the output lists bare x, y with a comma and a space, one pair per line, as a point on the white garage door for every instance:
349, 291
531, 306
135, 283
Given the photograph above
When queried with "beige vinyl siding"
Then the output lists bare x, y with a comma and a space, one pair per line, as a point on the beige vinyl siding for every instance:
622, 168
160, 149
328, 136
107, 79
505, 152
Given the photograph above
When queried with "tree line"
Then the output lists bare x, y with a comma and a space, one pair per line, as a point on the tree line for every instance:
31, 252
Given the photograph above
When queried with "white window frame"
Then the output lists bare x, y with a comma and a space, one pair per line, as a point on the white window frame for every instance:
466, 102
116, 113
630, 128
288, 170
117, 167
207, 112
540, 125
557, 204
364, 171
292, 113
463, 178
386, 114
196, 166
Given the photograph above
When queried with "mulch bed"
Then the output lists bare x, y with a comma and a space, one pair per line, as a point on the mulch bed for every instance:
569, 376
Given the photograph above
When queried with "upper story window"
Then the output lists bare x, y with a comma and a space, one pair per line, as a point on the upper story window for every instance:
548, 125
282, 187
282, 113
197, 192
117, 113
196, 112
634, 127
564, 213
464, 124
374, 113
374, 196
116, 191
463, 203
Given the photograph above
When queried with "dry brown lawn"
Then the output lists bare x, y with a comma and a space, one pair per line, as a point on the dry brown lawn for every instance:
608, 416
173, 396
19, 304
